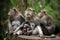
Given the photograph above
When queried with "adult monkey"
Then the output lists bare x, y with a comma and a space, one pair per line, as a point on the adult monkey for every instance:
31, 16
15, 18
46, 23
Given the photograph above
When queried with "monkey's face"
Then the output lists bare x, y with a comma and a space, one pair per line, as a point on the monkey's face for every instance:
29, 13
42, 14
26, 25
14, 14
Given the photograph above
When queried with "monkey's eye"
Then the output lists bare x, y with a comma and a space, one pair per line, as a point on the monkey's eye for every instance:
44, 11
29, 9
14, 9
33, 10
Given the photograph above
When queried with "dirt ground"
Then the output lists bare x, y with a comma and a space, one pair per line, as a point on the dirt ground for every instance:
24, 37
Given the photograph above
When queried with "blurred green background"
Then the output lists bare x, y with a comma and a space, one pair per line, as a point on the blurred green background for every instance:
52, 7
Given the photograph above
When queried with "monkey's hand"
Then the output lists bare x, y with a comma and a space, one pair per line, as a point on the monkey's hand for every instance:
48, 27
29, 32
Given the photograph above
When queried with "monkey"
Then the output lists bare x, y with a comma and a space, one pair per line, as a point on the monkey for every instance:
47, 23
15, 20
32, 17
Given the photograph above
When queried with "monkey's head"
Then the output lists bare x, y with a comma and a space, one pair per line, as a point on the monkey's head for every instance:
42, 13
12, 12
29, 12
27, 24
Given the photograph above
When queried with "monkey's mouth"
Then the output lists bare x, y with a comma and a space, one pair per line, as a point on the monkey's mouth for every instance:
28, 16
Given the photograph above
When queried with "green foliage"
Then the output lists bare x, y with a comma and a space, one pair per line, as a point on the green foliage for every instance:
50, 11
58, 21
14, 3
55, 6
37, 8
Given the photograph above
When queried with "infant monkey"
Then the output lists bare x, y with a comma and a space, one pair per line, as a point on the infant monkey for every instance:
27, 29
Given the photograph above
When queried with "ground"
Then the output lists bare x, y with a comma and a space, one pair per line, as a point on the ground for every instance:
24, 37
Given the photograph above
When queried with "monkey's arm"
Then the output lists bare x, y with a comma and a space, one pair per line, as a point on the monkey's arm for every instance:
18, 27
9, 28
50, 26
22, 19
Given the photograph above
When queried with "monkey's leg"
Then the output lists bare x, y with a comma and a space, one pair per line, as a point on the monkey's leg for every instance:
35, 31
18, 32
40, 31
